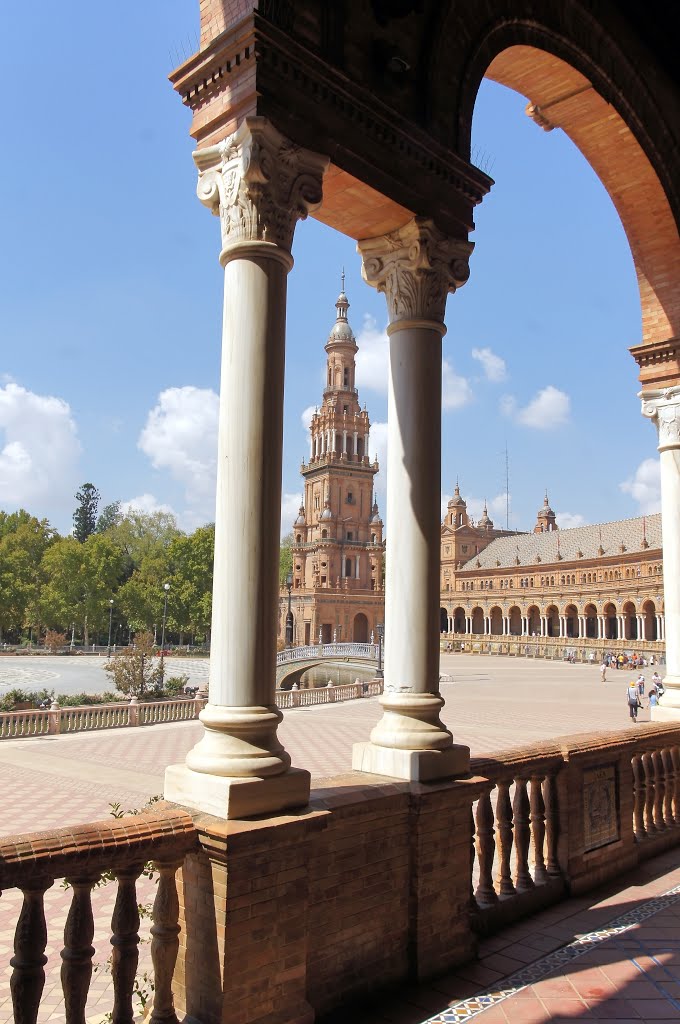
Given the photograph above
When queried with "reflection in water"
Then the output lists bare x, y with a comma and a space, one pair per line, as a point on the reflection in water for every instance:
338, 675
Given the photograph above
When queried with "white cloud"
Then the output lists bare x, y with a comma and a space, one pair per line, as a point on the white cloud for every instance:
568, 520
180, 435
549, 408
456, 391
645, 486
372, 359
493, 365
147, 504
39, 451
290, 503
306, 416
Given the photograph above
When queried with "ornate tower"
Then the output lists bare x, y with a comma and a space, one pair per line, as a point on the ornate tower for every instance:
545, 520
338, 534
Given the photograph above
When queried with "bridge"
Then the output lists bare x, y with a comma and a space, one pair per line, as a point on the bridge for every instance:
291, 663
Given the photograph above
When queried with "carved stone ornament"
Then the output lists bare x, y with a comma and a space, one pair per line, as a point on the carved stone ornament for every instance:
416, 267
663, 407
259, 184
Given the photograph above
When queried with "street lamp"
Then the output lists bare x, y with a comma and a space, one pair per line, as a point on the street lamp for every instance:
110, 622
289, 616
381, 632
166, 588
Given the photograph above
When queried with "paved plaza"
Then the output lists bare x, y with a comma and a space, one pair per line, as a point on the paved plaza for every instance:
491, 704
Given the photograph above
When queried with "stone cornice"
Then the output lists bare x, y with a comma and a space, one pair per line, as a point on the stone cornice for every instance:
416, 267
659, 362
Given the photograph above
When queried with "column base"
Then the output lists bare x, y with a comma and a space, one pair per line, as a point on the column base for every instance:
411, 765
229, 797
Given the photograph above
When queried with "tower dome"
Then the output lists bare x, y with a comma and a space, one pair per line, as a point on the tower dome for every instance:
545, 520
300, 521
456, 501
341, 332
484, 522
375, 515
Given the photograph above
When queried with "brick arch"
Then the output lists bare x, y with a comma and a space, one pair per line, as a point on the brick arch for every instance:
562, 97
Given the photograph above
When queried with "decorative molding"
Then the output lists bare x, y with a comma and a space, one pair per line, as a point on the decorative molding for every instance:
259, 184
416, 267
659, 362
663, 408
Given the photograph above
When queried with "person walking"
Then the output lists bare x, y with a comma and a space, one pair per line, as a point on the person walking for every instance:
603, 671
641, 684
656, 681
633, 698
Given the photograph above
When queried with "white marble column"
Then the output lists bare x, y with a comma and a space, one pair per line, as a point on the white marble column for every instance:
415, 267
601, 631
259, 185
663, 407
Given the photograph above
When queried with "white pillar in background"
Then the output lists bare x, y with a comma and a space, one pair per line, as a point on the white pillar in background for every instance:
366, 444
415, 267
344, 442
259, 185
662, 406
356, 571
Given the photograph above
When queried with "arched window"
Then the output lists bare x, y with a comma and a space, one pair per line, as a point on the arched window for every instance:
298, 538
324, 534
348, 567
346, 377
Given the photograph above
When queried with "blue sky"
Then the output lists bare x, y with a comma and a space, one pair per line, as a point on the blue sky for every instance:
110, 298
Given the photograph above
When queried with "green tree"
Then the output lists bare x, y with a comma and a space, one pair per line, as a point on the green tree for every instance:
111, 515
190, 599
23, 542
285, 558
141, 597
85, 515
79, 580
133, 671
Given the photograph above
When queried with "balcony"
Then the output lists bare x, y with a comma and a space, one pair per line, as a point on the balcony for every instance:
241, 910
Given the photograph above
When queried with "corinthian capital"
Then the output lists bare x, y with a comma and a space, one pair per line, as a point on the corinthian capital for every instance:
663, 408
259, 184
416, 267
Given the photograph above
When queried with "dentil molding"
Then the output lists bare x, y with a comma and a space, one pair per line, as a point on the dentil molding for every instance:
416, 267
259, 184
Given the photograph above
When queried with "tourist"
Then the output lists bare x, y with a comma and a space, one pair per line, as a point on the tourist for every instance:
656, 682
603, 671
633, 699
641, 684
653, 701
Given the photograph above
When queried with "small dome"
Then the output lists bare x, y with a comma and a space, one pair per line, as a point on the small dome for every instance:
375, 517
546, 512
484, 523
341, 331
300, 521
456, 500
326, 514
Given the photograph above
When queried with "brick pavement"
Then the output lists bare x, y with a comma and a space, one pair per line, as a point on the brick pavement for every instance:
48, 781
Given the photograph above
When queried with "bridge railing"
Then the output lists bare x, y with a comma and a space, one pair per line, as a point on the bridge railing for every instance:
316, 651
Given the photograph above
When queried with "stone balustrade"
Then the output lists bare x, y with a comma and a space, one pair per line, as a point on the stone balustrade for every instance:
82, 855
56, 720
316, 651
556, 648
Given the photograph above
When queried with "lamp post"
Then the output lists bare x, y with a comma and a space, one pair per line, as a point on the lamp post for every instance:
381, 632
166, 588
108, 655
289, 616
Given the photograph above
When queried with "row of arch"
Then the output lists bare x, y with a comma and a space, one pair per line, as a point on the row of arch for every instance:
608, 622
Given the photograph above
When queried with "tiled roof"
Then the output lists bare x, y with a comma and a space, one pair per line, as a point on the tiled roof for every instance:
586, 539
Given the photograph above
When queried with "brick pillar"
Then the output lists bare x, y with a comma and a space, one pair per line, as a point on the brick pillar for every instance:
244, 903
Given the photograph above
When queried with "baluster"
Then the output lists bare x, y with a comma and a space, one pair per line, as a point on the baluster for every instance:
648, 768
551, 824
537, 816
659, 790
30, 938
76, 969
485, 850
669, 773
675, 755
125, 942
504, 881
639, 787
520, 808
165, 942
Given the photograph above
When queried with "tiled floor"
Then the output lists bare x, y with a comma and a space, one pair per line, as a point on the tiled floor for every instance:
613, 956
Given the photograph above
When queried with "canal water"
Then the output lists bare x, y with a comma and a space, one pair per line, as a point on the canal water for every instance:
338, 674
